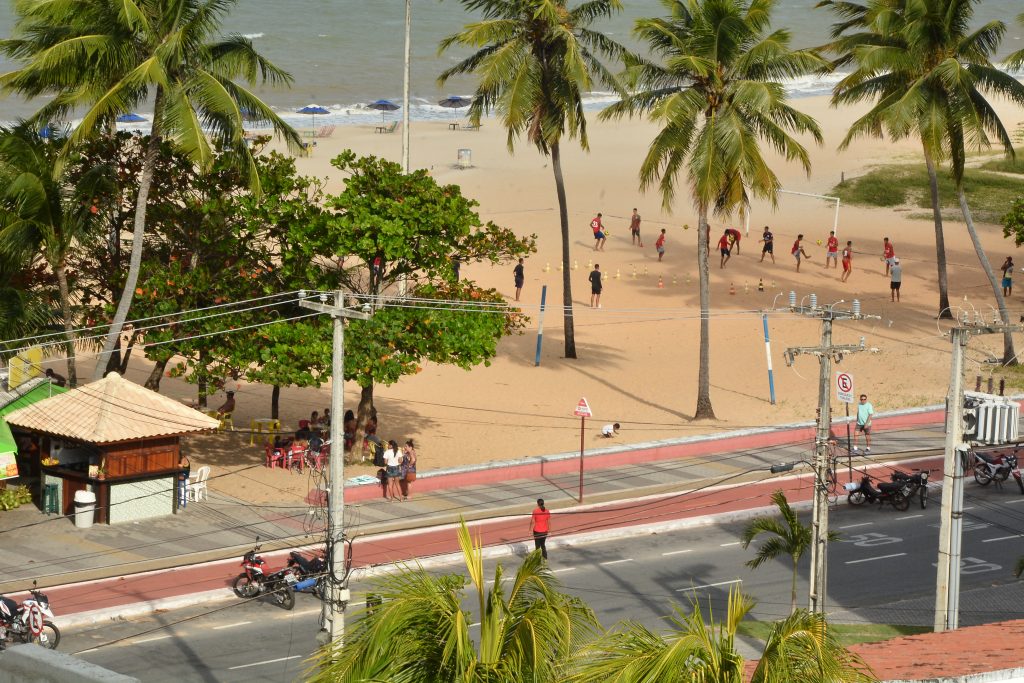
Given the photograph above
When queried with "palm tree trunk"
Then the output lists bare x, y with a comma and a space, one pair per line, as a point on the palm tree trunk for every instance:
704, 409
792, 594
138, 236
563, 215
940, 240
69, 327
1009, 357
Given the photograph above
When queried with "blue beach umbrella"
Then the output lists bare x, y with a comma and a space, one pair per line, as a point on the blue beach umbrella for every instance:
455, 102
313, 110
383, 106
130, 118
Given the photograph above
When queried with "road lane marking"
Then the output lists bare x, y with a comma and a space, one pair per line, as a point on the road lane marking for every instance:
317, 610
1002, 538
872, 559
854, 526
150, 640
726, 545
563, 569
611, 562
911, 516
709, 585
84, 652
1014, 502
677, 552
239, 623
268, 661
970, 507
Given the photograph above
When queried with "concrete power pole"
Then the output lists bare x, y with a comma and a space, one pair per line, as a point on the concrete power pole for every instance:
405, 86
825, 352
333, 608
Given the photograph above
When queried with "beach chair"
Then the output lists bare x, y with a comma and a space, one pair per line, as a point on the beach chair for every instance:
470, 126
388, 128
307, 133
197, 487
325, 131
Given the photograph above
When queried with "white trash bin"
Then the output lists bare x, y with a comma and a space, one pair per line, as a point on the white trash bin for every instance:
85, 509
465, 158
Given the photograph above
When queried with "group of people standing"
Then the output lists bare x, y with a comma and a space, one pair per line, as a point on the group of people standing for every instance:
399, 466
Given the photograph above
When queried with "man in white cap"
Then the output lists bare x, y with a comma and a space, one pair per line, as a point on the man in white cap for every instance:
895, 279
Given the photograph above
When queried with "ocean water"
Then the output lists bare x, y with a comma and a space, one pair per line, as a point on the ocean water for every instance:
344, 54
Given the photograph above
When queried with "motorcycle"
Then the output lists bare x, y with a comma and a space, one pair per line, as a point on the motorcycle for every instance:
254, 581
894, 493
996, 466
916, 484
29, 623
308, 570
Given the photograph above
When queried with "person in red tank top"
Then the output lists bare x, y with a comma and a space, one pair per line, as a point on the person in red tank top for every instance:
540, 526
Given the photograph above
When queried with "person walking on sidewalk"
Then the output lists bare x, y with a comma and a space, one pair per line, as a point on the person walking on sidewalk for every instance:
864, 413
540, 526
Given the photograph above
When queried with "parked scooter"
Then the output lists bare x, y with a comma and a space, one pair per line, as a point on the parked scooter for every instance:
916, 484
887, 492
29, 623
996, 466
253, 581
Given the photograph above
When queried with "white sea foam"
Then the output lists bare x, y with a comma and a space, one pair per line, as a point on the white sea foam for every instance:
253, 36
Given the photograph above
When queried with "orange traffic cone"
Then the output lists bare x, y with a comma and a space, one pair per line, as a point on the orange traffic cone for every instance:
732, 289
661, 282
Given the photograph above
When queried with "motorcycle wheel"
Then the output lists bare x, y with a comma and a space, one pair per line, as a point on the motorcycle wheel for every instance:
924, 497
48, 638
856, 498
244, 587
900, 501
285, 597
981, 477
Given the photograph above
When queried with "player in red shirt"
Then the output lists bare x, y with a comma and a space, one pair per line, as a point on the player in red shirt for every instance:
847, 261
734, 239
599, 234
724, 246
888, 253
660, 244
798, 251
832, 250
540, 526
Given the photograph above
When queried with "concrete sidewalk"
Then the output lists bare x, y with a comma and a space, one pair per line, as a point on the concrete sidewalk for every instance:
54, 552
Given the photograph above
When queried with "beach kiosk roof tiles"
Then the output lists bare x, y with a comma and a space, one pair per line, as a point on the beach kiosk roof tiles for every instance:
116, 439
111, 410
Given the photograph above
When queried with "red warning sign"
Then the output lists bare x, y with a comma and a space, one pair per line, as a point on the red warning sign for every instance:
583, 409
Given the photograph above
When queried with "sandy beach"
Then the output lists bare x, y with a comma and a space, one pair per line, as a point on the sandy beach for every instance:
637, 360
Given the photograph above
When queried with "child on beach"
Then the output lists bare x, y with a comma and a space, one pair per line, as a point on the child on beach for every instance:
724, 246
769, 244
634, 228
610, 430
832, 250
888, 253
798, 251
734, 239
599, 234
660, 244
1007, 269
847, 261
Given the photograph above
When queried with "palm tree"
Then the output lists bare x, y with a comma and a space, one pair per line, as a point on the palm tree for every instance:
535, 60
421, 633
799, 649
107, 57
26, 301
718, 94
41, 214
789, 538
928, 74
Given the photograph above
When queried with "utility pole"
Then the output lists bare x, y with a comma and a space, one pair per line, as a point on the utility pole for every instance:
947, 582
826, 352
333, 607
405, 86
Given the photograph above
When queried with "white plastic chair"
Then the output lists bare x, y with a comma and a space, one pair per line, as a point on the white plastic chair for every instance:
197, 487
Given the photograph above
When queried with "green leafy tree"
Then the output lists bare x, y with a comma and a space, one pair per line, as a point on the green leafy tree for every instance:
43, 213
107, 57
718, 96
534, 61
529, 629
799, 649
788, 538
928, 73
408, 226
1013, 221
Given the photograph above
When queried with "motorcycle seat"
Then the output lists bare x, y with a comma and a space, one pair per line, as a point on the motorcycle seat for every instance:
886, 487
989, 458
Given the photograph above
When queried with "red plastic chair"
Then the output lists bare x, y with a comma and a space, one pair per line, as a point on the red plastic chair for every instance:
319, 459
296, 457
274, 455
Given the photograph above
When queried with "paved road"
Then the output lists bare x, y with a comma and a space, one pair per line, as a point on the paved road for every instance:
881, 571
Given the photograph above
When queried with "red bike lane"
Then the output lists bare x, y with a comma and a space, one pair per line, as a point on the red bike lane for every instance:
421, 544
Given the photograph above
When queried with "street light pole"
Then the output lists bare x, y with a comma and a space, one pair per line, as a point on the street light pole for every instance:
333, 607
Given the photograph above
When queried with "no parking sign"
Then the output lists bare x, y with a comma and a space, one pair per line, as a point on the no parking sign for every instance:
844, 387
